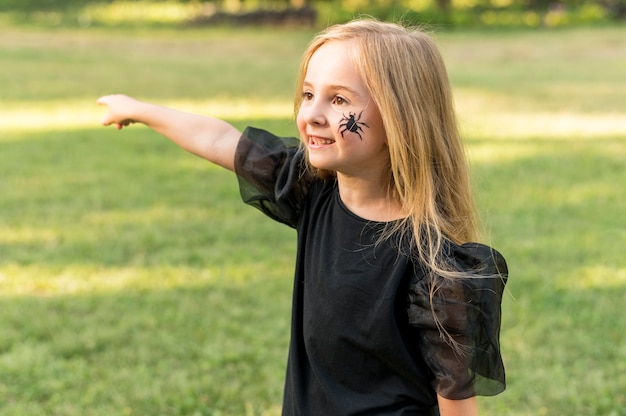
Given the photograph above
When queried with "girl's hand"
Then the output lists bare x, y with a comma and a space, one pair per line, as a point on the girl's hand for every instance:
121, 110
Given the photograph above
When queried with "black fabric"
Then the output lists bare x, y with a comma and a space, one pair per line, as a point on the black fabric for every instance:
364, 340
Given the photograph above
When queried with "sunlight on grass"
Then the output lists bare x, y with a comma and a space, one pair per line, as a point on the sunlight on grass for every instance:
77, 114
508, 151
522, 125
125, 12
117, 13
490, 116
594, 277
36, 280
28, 235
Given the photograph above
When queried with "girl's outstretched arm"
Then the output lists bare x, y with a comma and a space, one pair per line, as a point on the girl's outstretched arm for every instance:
467, 407
210, 138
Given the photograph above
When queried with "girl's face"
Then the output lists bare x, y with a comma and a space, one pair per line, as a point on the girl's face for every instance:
338, 120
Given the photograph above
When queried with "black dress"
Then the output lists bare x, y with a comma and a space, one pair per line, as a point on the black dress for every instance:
364, 340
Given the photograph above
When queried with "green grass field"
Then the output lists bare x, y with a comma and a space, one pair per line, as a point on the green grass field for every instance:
134, 282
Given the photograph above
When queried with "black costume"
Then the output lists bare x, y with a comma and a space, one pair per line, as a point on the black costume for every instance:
364, 340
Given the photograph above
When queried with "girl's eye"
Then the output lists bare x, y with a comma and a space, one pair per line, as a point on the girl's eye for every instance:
338, 100
307, 96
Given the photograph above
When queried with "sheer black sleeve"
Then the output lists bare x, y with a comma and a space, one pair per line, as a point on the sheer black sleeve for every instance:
272, 175
469, 310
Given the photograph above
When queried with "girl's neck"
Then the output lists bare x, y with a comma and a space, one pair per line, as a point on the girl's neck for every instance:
371, 200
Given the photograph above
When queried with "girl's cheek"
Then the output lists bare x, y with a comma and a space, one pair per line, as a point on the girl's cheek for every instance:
335, 121
300, 123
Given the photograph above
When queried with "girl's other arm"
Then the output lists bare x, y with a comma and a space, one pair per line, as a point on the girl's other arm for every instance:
210, 138
467, 407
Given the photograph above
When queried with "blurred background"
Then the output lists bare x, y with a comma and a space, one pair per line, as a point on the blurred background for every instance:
133, 281
452, 13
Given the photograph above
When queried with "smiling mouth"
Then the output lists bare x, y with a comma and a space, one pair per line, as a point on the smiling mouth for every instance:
319, 141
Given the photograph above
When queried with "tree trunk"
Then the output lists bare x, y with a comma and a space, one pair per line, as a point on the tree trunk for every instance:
444, 5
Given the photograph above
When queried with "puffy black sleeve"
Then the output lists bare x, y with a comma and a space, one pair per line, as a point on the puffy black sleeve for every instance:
469, 311
272, 175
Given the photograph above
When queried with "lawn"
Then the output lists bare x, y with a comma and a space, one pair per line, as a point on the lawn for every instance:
134, 282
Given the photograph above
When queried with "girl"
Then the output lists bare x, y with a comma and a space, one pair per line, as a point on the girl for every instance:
395, 312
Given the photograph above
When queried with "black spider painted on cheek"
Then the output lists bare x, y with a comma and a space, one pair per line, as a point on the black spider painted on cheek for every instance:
352, 124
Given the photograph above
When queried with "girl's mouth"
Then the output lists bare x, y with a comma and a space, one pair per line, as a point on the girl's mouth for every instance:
318, 142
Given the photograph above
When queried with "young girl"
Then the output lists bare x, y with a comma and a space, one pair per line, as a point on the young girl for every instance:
395, 311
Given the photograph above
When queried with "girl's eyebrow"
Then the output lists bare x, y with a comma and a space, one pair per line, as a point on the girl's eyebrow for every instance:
334, 88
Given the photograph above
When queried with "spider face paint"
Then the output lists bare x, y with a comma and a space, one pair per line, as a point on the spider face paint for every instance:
352, 123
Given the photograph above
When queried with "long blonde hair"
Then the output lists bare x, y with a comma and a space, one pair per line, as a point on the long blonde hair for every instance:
406, 77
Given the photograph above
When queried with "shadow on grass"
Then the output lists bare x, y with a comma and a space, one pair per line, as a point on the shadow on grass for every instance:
213, 349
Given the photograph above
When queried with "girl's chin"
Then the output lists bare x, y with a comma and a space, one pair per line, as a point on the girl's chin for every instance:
320, 163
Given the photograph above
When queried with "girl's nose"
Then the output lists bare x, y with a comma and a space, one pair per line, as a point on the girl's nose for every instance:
312, 113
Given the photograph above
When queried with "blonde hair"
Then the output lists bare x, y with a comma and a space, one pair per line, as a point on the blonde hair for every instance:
406, 77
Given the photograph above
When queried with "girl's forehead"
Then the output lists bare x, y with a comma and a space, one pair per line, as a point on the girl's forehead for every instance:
334, 48
333, 63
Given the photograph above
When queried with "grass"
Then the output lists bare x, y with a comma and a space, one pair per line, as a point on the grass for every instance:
134, 282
